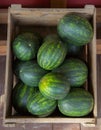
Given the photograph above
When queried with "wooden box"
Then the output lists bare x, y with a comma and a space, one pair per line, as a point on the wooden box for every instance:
45, 22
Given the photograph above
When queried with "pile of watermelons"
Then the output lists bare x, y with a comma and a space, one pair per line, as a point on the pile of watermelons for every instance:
50, 72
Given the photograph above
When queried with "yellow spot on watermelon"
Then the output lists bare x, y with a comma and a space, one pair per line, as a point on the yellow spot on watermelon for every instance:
20, 71
29, 44
58, 46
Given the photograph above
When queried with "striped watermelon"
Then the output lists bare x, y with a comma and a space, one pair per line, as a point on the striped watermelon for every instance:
20, 94
16, 67
75, 70
40, 106
54, 86
74, 51
77, 103
51, 37
38, 35
51, 54
75, 29
31, 73
25, 46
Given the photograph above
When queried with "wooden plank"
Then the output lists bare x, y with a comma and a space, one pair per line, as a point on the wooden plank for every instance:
98, 126
3, 16
91, 128
3, 31
3, 47
98, 46
99, 120
54, 3
66, 126
2, 77
98, 12
99, 89
58, 3
39, 126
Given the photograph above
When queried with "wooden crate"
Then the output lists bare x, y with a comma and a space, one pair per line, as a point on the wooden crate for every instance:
45, 22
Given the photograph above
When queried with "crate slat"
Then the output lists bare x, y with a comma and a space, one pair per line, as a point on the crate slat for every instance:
98, 46
3, 47
98, 12
3, 16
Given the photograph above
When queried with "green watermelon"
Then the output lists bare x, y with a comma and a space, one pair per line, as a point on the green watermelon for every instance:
54, 86
38, 35
25, 46
51, 37
31, 73
77, 103
16, 66
51, 54
74, 51
75, 29
40, 106
74, 70
20, 94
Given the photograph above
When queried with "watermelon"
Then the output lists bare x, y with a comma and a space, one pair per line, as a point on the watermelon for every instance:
74, 51
38, 35
75, 29
51, 54
39, 105
31, 73
79, 102
25, 46
20, 94
75, 70
51, 37
54, 86
16, 66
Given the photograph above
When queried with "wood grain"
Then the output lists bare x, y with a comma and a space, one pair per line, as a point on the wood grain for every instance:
98, 46
66, 127
91, 128
98, 12
39, 126
3, 47
99, 84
